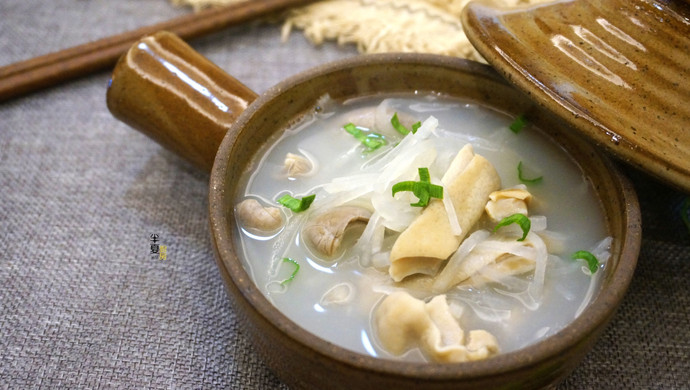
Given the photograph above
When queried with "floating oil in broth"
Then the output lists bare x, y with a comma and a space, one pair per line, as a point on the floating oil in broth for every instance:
334, 298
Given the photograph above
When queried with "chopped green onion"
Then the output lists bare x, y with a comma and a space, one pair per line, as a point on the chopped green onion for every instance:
417, 188
372, 141
292, 276
402, 129
525, 180
519, 219
398, 126
592, 262
684, 213
424, 175
518, 124
416, 126
295, 204
422, 189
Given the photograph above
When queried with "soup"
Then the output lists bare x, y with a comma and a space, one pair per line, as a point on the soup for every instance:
340, 268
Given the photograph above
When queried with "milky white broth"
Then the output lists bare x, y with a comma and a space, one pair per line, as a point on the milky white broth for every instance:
563, 196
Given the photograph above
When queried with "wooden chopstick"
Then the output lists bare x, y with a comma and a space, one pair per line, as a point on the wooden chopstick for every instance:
44, 71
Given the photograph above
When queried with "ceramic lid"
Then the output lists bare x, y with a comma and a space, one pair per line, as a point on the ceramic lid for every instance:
617, 70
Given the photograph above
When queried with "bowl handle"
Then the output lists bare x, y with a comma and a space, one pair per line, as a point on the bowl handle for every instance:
165, 89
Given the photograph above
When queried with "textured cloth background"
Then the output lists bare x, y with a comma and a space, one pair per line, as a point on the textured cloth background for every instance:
83, 304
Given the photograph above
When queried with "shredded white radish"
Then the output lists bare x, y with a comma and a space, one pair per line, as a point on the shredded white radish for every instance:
340, 198
485, 249
377, 179
523, 296
424, 131
367, 235
510, 282
455, 227
537, 286
400, 163
377, 238
484, 306
602, 250
407, 145
452, 216
371, 239
280, 247
312, 160
347, 183
513, 247
444, 279
555, 241
406, 163
538, 223
396, 213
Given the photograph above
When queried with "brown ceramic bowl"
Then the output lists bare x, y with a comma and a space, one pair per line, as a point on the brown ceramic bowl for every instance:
149, 95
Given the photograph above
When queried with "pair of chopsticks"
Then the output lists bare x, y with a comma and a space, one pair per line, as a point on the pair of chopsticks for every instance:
44, 71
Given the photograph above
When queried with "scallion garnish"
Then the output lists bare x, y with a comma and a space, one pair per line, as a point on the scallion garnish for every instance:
292, 276
422, 189
524, 179
371, 141
295, 204
519, 219
592, 262
518, 124
684, 213
402, 129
